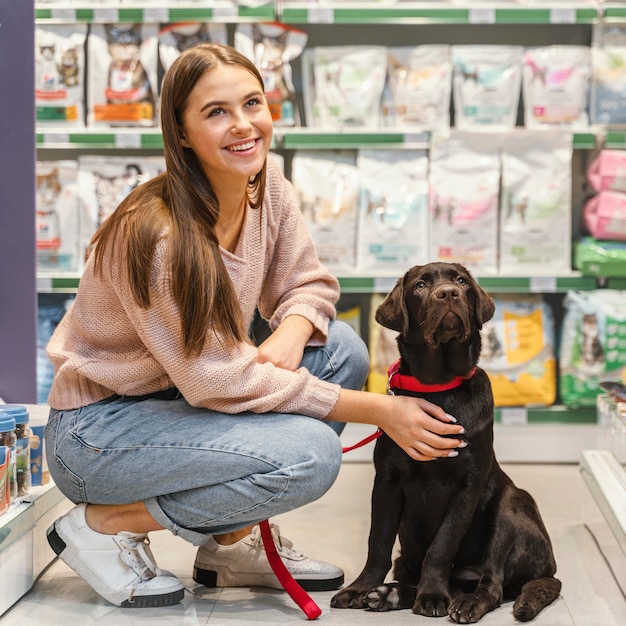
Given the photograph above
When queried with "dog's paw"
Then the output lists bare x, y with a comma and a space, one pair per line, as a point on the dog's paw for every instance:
431, 605
348, 599
383, 598
469, 608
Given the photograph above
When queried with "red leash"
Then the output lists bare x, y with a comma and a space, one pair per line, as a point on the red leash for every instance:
298, 595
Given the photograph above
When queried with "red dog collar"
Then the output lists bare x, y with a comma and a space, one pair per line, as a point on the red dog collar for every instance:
410, 383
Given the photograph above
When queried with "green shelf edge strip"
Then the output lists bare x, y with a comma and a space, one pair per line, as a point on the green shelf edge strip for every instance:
555, 415
136, 15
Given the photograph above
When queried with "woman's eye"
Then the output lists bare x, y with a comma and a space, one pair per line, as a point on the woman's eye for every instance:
215, 112
253, 102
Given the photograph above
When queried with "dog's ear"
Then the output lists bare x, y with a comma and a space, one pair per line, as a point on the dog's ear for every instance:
485, 306
392, 312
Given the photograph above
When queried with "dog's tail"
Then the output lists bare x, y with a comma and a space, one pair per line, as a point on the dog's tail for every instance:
535, 595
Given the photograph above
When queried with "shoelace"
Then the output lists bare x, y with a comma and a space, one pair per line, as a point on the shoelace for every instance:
283, 545
136, 553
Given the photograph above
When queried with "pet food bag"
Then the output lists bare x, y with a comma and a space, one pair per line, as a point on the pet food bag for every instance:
419, 83
327, 188
178, 37
59, 75
487, 83
536, 202
556, 86
383, 349
464, 196
605, 215
600, 258
122, 75
57, 216
607, 171
593, 344
393, 211
272, 47
343, 86
608, 85
518, 351
103, 182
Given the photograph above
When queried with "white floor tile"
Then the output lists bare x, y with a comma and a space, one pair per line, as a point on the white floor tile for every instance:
335, 528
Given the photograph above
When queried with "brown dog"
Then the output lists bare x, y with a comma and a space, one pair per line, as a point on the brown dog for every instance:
469, 538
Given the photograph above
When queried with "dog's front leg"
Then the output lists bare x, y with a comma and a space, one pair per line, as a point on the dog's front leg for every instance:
387, 505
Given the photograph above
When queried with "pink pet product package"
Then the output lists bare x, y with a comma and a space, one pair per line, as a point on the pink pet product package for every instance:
605, 215
607, 172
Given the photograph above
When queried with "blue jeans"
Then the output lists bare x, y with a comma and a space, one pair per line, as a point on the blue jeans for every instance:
200, 472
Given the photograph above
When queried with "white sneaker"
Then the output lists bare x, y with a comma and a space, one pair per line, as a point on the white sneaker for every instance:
119, 567
245, 564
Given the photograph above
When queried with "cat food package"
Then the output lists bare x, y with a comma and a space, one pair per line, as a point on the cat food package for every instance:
607, 171
518, 351
464, 196
122, 75
593, 344
605, 215
487, 83
608, 87
57, 216
60, 75
383, 349
536, 202
393, 210
104, 182
327, 187
556, 86
418, 88
600, 258
272, 47
178, 37
343, 86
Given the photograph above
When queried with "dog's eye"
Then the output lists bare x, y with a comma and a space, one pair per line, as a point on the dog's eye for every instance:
420, 284
461, 280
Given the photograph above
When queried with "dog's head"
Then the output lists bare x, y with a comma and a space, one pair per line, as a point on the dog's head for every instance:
437, 302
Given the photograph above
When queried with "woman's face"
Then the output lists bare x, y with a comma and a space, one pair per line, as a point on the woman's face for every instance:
228, 125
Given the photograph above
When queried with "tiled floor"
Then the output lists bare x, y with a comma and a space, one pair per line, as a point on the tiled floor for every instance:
335, 528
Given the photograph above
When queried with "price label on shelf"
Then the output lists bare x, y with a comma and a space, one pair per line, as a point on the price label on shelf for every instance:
482, 15
55, 138
68, 15
565, 15
108, 16
320, 15
514, 416
226, 11
128, 140
156, 15
543, 284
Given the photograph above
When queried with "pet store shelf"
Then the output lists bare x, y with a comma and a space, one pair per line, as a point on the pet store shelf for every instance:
122, 139
614, 12
555, 414
218, 12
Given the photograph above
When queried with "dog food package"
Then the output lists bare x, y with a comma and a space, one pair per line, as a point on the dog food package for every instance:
518, 351
59, 75
383, 349
607, 171
536, 202
487, 83
593, 344
393, 210
178, 37
57, 216
122, 85
556, 86
103, 182
418, 88
605, 215
343, 86
464, 196
272, 47
327, 187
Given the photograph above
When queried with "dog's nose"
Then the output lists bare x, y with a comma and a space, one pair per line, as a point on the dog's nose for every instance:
447, 292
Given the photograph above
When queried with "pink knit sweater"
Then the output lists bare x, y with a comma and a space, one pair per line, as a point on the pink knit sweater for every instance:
107, 345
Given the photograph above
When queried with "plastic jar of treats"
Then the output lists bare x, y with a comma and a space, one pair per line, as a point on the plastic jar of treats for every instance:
23, 433
8, 438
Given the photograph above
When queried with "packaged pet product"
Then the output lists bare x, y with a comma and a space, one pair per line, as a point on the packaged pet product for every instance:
178, 37
327, 187
486, 82
343, 86
607, 171
419, 83
536, 202
383, 349
103, 182
393, 211
608, 87
518, 351
272, 47
605, 215
556, 86
57, 216
464, 194
122, 75
593, 344
600, 258
5, 478
59, 75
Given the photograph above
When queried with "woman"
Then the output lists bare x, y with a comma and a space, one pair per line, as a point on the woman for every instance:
164, 414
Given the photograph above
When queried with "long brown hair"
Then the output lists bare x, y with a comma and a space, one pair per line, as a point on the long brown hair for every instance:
183, 201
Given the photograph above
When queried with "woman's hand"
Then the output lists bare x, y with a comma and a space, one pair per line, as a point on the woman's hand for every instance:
285, 346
